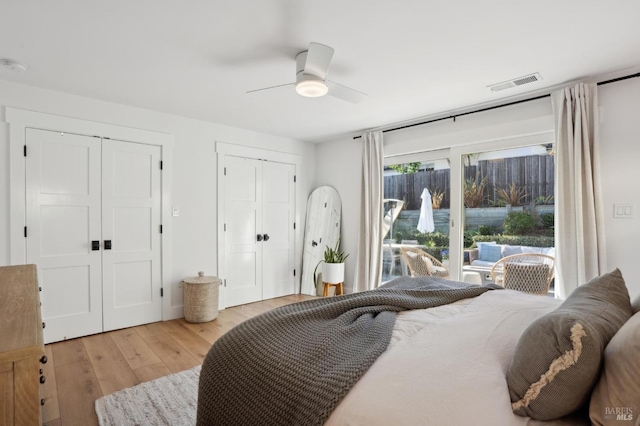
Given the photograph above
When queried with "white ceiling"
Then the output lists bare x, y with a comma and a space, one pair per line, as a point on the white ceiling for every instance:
414, 58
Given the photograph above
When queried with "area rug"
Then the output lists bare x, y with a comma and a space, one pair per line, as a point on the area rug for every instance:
169, 400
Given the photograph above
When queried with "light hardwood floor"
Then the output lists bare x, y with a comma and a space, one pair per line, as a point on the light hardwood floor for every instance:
79, 371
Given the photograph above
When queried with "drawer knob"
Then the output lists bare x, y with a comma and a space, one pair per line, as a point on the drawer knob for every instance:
42, 401
43, 359
42, 379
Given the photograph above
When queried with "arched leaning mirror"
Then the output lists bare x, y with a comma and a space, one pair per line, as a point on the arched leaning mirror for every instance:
322, 229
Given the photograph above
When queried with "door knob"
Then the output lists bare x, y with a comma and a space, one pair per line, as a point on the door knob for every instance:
259, 237
266, 237
107, 244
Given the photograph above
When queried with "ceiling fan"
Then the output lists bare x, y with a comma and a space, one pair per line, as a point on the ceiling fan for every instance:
311, 76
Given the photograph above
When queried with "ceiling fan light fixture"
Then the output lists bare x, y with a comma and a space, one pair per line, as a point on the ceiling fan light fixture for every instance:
311, 87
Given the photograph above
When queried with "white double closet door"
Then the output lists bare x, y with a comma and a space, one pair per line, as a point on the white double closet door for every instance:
93, 228
260, 237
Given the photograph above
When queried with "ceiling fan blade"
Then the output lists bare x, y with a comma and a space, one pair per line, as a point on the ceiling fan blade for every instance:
271, 87
318, 60
345, 93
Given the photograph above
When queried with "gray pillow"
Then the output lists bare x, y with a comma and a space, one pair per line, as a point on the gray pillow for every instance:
635, 305
617, 394
509, 250
558, 357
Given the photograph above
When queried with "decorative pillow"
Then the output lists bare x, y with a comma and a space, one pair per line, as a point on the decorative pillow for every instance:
617, 393
491, 253
510, 250
635, 305
482, 245
428, 263
557, 359
531, 250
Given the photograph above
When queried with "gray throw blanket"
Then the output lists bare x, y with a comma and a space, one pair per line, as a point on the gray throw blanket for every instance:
293, 365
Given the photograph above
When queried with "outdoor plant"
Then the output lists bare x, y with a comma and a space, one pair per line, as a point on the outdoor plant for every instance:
519, 223
474, 192
485, 230
547, 220
444, 254
512, 195
436, 199
517, 240
544, 200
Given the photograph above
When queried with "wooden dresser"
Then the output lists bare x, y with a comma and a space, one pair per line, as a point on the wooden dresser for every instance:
21, 346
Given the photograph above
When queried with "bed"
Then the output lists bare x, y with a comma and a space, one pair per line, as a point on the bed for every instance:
444, 365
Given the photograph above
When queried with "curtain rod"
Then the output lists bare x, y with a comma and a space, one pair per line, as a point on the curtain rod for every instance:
495, 107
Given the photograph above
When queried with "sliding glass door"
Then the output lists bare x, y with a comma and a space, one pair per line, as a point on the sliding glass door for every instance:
416, 215
448, 203
508, 209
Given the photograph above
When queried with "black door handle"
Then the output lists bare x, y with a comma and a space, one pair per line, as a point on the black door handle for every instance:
95, 245
259, 237
107, 244
266, 237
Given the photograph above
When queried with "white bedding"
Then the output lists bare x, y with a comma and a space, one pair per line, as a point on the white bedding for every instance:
446, 365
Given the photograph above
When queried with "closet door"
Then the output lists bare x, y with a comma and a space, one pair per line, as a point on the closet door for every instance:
63, 218
131, 213
244, 234
279, 206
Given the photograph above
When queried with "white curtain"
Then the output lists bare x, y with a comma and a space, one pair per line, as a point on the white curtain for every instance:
369, 262
580, 245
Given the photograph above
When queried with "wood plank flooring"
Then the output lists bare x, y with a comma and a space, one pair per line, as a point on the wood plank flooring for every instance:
79, 371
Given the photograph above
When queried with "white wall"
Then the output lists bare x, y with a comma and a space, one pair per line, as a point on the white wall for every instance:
194, 183
339, 165
620, 161
339, 162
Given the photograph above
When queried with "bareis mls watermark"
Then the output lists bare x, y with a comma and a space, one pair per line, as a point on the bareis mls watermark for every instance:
618, 413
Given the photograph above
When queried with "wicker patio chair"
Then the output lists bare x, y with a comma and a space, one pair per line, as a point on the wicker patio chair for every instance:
526, 272
422, 264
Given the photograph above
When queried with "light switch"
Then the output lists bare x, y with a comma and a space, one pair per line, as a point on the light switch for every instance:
176, 211
624, 211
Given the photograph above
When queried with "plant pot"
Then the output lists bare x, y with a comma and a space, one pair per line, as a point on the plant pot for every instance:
333, 273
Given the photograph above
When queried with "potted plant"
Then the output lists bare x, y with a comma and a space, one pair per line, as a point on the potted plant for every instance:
332, 265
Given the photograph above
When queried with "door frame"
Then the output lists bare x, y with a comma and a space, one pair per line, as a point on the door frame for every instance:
222, 150
19, 120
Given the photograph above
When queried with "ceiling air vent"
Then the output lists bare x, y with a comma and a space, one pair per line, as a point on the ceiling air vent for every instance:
531, 78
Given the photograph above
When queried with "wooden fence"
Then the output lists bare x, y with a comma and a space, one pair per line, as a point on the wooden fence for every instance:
534, 173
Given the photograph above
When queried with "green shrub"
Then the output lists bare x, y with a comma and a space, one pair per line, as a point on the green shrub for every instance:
469, 234
517, 240
519, 223
486, 230
547, 220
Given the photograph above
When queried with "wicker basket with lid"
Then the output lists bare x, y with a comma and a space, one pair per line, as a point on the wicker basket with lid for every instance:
200, 298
